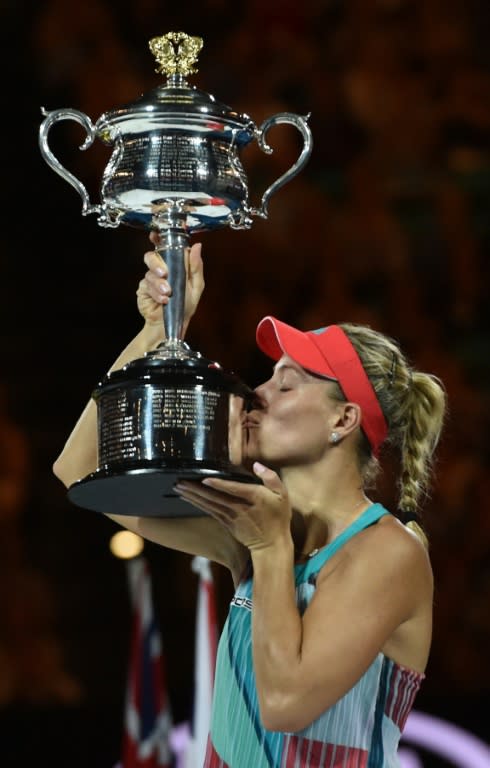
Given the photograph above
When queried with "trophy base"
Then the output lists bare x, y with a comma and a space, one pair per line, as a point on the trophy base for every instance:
146, 492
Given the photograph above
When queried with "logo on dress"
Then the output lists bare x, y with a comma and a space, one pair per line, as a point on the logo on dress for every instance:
242, 602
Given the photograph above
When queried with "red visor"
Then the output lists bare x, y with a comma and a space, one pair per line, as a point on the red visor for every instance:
328, 352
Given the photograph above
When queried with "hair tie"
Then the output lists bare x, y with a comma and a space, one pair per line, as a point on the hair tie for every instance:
409, 516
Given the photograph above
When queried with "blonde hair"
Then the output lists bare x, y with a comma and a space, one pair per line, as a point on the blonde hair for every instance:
414, 406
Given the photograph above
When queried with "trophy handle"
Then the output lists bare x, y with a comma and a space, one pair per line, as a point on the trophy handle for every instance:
301, 123
54, 163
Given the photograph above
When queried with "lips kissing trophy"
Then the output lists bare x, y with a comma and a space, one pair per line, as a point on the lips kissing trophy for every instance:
175, 169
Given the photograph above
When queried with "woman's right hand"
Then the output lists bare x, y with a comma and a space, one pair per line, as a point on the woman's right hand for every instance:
154, 290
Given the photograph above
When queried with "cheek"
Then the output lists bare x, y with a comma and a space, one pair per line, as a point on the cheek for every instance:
295, 425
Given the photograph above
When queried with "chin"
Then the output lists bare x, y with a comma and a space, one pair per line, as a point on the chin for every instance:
252, 452
267, 461
249, 457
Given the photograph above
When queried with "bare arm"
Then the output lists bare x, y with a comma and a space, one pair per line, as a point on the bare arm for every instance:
363, 600
374, 596
79, 455
201, 535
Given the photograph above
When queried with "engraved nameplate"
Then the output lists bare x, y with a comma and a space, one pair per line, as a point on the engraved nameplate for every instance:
151, 422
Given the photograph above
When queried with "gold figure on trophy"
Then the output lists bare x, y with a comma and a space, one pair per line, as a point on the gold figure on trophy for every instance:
176, 53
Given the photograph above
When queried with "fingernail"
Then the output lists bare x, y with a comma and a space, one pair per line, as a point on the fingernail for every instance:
259, 468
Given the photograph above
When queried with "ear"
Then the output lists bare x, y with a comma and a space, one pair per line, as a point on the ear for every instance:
348, 419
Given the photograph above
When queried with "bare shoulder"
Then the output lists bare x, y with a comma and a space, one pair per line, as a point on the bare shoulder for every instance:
380, 583
394, 544
387, 550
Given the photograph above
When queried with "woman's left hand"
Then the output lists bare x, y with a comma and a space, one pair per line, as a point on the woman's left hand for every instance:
257, 516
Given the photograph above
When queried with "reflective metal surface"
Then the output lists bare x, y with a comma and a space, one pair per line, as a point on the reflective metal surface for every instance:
160, 420
175, 144
175, 168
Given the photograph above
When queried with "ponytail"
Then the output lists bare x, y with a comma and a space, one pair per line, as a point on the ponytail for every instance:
425, 409
414, 406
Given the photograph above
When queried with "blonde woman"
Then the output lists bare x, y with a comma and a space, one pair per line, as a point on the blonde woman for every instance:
329, 631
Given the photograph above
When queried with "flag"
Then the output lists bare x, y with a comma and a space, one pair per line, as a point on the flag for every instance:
204, 663
147, 721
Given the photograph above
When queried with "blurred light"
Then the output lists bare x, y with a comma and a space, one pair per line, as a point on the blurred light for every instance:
409, 759
125, 545
447, 740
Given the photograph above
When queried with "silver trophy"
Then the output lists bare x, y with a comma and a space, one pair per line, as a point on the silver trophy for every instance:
175, 169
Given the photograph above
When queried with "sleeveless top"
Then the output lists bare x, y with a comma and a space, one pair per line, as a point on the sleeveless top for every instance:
361, 730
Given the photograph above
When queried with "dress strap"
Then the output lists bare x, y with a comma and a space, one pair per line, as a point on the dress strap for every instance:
370, 515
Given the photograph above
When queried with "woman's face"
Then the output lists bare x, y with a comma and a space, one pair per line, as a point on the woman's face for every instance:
292, 423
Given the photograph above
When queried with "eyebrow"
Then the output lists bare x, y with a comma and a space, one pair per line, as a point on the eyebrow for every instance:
297, 368
288, 367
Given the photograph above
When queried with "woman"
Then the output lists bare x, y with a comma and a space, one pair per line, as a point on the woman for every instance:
329, 630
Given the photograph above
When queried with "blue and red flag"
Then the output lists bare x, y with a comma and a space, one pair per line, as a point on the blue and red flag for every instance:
148, 720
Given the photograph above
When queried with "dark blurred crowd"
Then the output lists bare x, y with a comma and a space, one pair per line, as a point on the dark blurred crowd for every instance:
389, 225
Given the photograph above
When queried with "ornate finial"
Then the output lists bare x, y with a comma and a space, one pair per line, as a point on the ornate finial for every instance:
176, 53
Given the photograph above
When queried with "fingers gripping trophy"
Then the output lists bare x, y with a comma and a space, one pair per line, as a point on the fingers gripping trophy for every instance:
175, 169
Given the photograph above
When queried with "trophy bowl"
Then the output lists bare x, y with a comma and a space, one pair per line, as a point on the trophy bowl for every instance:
176, 169
161, 423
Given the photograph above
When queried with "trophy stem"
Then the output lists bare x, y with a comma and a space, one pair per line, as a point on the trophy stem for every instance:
174, 240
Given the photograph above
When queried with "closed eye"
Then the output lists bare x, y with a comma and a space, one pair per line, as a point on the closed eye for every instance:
287, 377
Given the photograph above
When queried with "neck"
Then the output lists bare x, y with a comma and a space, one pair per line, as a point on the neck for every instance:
325, 499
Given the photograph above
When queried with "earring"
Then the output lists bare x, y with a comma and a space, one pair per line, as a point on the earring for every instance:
334, 438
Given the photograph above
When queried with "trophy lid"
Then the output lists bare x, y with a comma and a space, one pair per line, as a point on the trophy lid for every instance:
176, 54
187, 371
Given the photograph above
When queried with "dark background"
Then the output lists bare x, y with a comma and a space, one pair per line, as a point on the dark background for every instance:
388, 225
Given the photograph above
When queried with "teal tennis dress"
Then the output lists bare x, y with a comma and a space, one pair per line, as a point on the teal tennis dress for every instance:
361, 730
